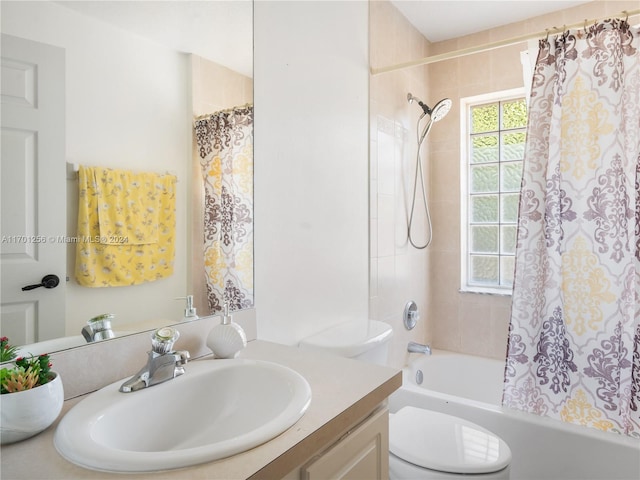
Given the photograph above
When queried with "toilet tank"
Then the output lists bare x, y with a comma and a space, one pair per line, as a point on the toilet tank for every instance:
363, 340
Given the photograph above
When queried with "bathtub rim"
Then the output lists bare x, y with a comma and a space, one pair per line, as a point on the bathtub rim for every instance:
409, 385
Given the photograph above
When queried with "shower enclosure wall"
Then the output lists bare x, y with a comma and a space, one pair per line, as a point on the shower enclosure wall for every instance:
398, 272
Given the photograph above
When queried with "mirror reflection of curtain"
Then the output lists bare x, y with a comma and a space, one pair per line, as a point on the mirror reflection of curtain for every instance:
574, 338
225, 148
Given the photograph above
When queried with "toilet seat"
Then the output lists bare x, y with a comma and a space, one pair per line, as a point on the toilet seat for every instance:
445, 443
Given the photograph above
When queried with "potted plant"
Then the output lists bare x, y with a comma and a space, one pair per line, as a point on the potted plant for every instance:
31, 394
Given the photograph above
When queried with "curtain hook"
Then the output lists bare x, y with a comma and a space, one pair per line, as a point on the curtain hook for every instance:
626, 20
546, 39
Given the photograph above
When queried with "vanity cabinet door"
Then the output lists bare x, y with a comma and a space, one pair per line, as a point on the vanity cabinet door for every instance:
362, 453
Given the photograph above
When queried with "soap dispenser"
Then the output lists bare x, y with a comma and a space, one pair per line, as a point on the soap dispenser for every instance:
189, 311
228, 338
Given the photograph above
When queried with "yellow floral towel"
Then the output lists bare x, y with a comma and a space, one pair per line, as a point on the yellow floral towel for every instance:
126, 227
128, 206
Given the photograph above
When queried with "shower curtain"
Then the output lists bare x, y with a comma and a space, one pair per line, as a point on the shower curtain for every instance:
574, 338
225, 147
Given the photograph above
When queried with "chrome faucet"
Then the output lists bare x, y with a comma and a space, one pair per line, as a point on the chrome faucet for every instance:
98, 328
415, 347
163, 362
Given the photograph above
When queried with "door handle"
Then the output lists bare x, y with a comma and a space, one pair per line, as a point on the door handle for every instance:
48, 281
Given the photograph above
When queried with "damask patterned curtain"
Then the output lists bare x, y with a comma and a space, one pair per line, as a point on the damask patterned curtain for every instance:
574, 339
225, 148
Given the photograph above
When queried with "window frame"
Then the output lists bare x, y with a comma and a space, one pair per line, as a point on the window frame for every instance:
465, 104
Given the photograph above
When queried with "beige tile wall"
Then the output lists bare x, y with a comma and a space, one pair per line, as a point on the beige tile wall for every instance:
463, 322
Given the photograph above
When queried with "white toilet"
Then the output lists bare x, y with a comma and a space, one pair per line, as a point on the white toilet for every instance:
366, 341
423, 444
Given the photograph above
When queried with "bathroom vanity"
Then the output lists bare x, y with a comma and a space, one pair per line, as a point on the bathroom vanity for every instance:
344, 432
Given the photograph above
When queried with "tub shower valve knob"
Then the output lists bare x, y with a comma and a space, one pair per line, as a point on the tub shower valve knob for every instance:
411, 315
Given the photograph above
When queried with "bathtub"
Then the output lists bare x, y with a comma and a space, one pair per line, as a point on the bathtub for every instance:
543, 448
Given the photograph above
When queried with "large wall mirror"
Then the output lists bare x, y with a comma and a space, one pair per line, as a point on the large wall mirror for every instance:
133, 75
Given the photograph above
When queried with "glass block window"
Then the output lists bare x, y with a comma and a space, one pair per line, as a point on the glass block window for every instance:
494, 132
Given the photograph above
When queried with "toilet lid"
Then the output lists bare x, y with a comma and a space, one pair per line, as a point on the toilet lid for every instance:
445, 443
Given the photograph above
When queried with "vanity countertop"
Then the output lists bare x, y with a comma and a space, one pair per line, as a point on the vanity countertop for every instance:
344, 391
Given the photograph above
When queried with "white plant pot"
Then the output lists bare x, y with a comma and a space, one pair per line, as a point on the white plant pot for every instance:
24, 414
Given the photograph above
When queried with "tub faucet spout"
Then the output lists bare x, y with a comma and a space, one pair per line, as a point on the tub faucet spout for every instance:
415, 347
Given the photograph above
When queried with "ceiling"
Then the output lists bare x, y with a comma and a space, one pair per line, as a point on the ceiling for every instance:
222, 30
219, 30
440, 20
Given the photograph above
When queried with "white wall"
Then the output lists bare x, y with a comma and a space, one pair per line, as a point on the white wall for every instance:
311, 166
127, 106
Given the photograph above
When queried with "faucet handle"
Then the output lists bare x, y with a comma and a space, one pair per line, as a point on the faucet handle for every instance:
162, 339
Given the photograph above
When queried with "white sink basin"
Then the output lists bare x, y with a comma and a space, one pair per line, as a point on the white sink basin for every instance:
216, 409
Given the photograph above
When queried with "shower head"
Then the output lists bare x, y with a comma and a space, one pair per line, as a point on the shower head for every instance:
440, 109
438, 112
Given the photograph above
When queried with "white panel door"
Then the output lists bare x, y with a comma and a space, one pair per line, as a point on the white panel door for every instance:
32, 190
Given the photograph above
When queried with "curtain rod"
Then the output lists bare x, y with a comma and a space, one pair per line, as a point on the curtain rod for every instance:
490, 46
